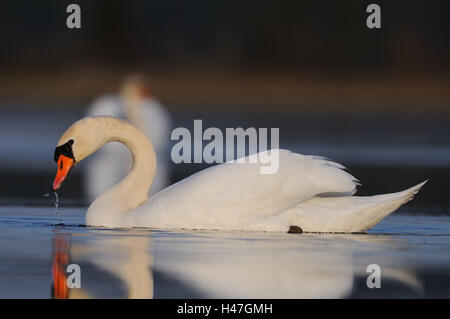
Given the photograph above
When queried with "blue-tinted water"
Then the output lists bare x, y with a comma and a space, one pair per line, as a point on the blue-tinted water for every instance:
413, 253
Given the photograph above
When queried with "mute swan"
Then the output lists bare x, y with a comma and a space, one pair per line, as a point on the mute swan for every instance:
136, 104
307, 191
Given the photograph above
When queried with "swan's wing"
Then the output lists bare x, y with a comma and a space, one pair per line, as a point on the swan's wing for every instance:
109, 105
237, 195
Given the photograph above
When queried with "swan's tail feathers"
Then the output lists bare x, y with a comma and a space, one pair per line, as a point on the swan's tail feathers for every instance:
348, 213
412, 191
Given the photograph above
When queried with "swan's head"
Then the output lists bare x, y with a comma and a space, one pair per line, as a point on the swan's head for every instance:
82, 139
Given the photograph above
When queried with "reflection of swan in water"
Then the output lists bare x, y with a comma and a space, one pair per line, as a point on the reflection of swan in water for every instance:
227, 266
112, 163
287, 274
61, 259
126, 258
323, 267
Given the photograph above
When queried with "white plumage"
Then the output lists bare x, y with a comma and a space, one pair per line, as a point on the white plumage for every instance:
306, 191
112, 163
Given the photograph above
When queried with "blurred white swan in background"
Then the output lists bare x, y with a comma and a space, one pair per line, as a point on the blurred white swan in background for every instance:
307, 191
135, 104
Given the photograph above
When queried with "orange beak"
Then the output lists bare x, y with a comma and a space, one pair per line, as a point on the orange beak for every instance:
65, 164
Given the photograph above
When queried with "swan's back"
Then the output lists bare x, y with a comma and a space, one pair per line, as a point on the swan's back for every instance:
237, 195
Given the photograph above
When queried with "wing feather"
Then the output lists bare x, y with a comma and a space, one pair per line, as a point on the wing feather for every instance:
233, 194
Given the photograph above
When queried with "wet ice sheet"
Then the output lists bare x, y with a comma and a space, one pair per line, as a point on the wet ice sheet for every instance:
412, 251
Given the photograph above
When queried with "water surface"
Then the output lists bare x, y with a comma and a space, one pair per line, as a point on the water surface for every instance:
36, 246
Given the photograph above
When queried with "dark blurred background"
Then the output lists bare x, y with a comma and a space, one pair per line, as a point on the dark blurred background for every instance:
376, 100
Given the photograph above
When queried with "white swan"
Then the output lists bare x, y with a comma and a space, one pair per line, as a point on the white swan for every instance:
134, 103
229, 196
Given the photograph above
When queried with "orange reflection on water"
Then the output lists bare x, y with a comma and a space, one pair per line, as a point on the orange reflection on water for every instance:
61, 259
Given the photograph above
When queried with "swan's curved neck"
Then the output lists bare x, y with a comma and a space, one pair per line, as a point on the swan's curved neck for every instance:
133, 190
